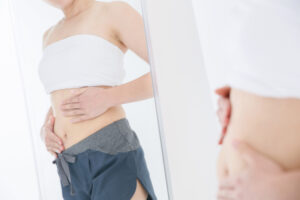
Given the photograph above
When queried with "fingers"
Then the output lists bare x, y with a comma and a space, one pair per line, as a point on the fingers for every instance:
224, 110
52, 141
51, 136
80, 118
74, 112
227, 189
75, 95
70, 106
73, 99
224, 130
50, 123
53, 146
224, 91
53, 149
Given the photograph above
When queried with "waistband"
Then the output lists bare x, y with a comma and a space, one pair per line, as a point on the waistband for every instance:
112, 139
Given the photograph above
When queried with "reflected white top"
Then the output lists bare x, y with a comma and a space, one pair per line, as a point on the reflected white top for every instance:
81, 60
262, 47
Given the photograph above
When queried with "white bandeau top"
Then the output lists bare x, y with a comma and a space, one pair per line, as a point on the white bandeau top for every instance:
262, 47
81, 60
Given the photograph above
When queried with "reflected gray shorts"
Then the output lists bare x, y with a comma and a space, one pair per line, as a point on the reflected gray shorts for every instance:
104, 166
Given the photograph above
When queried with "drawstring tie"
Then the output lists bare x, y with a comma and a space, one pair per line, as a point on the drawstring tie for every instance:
62, 161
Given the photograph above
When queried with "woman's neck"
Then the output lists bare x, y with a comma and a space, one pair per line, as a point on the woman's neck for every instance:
77, 7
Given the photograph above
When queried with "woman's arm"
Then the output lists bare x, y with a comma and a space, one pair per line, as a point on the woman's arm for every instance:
129, 28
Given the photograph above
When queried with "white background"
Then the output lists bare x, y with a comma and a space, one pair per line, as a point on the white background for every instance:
17, 171
18, 175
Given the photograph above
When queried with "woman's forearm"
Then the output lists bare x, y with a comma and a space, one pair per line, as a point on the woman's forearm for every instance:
136, 90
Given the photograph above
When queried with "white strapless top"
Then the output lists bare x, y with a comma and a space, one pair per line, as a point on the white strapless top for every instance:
81, 60
262, 47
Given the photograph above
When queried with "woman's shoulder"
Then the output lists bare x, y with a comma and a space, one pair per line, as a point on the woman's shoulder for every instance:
115, 7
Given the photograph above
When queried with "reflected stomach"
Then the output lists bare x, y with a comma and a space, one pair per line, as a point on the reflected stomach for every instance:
72, 133
269, 125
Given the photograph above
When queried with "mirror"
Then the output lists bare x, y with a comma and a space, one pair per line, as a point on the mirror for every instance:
41, 74
190, 124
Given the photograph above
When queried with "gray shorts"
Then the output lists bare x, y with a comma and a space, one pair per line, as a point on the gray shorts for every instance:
104, 166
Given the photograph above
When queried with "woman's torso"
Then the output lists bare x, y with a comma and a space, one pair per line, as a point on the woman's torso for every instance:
94, 21
269, 125
261, 44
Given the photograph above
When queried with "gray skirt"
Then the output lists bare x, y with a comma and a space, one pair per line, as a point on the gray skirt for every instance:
104, 166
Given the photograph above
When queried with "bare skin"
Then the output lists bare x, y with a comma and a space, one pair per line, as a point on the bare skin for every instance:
74, 115
260, 173
263, 179
270, 125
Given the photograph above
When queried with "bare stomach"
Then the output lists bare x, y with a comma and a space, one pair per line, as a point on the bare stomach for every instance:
72, 133
269, 125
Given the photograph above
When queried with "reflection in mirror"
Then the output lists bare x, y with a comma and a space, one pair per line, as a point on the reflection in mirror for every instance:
89, 97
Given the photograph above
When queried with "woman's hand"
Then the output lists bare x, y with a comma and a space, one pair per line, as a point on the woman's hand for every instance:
86, 103
263, 179
53, 143
224, 110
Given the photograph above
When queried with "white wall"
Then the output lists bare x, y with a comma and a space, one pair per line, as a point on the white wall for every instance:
189, 123
31, 21
18, 178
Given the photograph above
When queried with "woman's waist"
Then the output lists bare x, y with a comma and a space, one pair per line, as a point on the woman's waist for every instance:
70, 132
269, 125
63, 123
113, 138
268, 112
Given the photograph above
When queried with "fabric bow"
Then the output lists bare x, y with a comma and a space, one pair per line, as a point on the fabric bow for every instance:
62, 161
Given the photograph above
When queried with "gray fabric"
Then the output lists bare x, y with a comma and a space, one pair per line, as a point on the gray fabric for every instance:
63, 168
112, 139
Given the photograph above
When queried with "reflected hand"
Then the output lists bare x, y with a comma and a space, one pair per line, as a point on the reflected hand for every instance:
86, 103
53, 143
224, 109
260, 180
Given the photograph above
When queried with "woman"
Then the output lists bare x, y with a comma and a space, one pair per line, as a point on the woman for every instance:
262, 46
99, 155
